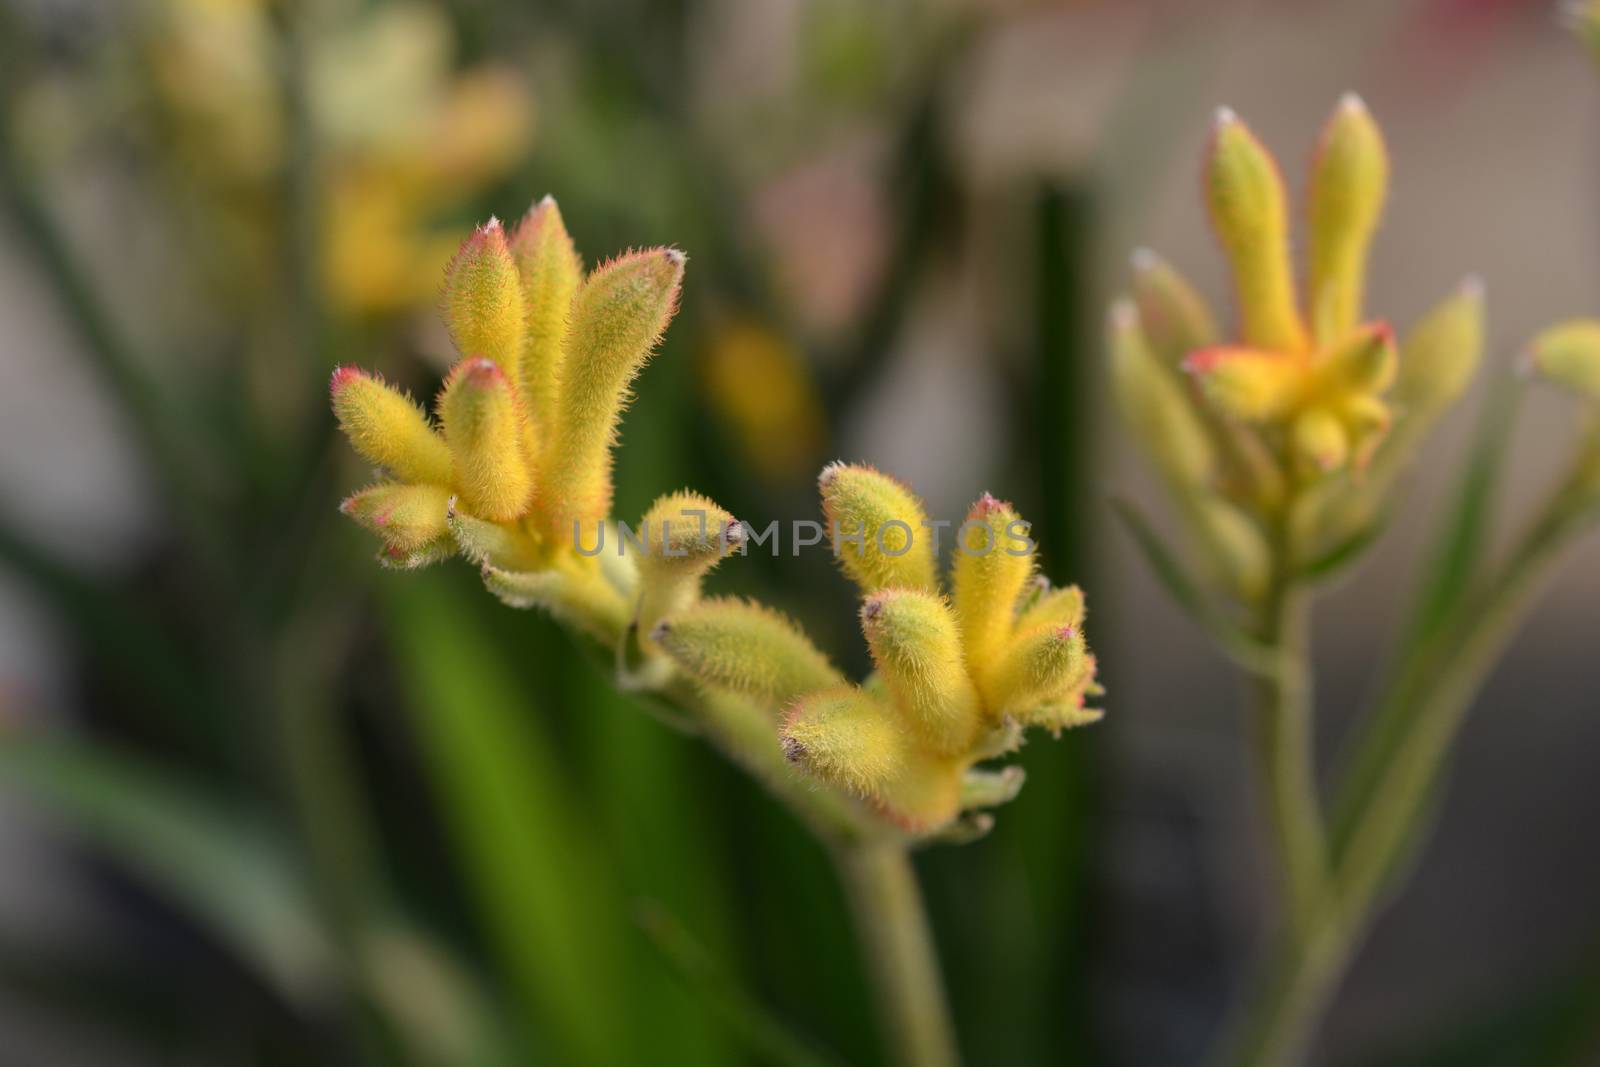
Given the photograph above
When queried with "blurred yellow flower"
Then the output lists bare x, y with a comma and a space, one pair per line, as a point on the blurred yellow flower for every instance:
762, 389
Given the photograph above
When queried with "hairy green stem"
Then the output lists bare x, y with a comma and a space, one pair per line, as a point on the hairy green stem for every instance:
898, 947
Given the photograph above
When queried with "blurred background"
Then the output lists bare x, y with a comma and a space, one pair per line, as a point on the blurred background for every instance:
262, 802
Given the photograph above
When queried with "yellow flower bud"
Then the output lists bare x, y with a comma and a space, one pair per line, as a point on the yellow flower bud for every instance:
1349, 180
1364, 362
992, 565
550, 270
746, 648
1175, 318
388, 429
1156, 405
506, 545
483, 299
409, 519
1568, 354
1040, 666
847, 739
1441, 354
1055, 607
917, 649
483, 425
617, 317
1235, 548
1245, 193
1366, 420
878, 528
684, 535
1320, 443
1248, 383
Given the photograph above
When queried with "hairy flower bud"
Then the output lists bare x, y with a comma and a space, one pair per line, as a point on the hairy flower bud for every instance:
483, 424
388, 429
917, 649
878, 528
1349, 180
1568, 354
1441, 354
1040, 666
483, 299
1175, 318
410, 520
684, 535
1244, 190
618, 315
990, 570
746, 648
1250, 384
550, 270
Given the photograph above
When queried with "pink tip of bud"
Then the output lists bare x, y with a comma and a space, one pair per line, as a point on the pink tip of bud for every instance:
793, 750
1352, 102
1143, 260
830, 473
478, 372
1204, 360
343, 376
674, 256
1473, 287
733, 533
1225, 117
873, 608
986, 505
1066, 633
1383, 333
659, 631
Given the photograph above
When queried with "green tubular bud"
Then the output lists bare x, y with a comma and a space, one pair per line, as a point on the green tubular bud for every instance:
1174, 317
917, 649
878, 527
1156, 406
483, 425
410, 520
387, 429
982, 788
1349, 181
747, 648
483, 299
1568, 355
1441, 354
550, 270
1233, 545
618, 315
1040, 666
1245, 194
684, 536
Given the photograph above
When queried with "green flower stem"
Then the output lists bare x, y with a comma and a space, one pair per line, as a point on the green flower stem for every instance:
1283, 737
1297, 985
901, 962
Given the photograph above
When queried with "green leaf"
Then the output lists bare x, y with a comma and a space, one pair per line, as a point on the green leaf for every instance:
1341, 557
1245, 650
550, 906
220, 865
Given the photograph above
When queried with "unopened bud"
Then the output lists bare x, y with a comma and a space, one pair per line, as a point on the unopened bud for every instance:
483, 299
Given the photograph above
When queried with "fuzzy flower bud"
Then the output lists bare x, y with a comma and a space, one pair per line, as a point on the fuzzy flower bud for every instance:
1039, 666
551, 271
1175, 318
917, 648
991, 568
684, 535
1349, 180
746, 648
618, 315
483, 299
1441, 353
483, 424
1568, 354
877, 526
1244, 189
1155, 404
388, 429
410, 520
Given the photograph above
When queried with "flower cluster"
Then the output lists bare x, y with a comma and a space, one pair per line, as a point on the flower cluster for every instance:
520, 458
1304, 417
957, 679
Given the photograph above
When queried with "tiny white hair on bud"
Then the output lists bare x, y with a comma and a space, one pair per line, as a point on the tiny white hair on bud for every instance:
1473, 286
1225, 116
1142, 259
493, 223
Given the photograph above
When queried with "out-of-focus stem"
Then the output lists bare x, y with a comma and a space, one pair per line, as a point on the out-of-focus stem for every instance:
898, 949
1283, 740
